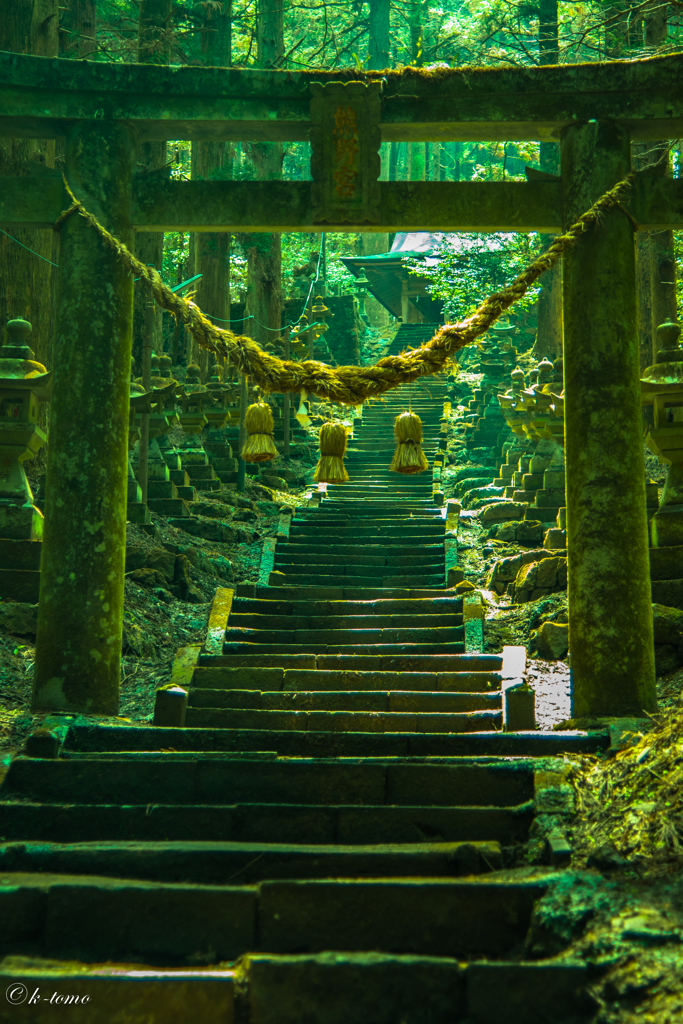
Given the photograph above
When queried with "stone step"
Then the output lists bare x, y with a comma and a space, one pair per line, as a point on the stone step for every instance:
360, 513
394, 552
175, 507
434, 558
359, 566
396, 648
161, 489
366, 634
396, 701
82, 918
387, 544
336, 988
345, 721
416, 661
343, 622
207, 780
365, 507
305, 679
430, 528
305, 824
363, 581
414, 606
346, 593
105, 739
214, 863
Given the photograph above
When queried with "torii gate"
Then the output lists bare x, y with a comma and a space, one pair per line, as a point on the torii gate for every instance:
104, 110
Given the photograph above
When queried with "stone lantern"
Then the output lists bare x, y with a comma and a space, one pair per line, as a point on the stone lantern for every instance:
319, 312
299, 338
362, 284
662, 387
24, 384
503, 332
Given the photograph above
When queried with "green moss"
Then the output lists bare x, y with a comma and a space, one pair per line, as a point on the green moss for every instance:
610, 612
78, 647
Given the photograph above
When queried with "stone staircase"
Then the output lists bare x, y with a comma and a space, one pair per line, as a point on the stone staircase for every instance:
334, 815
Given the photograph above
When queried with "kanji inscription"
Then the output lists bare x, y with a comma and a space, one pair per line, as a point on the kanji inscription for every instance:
345, 163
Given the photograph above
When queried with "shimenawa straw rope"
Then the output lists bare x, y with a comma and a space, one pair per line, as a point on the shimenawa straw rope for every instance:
348, 385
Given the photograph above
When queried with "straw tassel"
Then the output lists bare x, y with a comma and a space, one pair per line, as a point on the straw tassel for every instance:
302, 412
259, 446
331, 468
408, 457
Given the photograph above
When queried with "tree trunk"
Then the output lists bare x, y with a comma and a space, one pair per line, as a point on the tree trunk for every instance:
77, 29
416, 35
548, 32
264, 251
213, 161
393, 160
270, 31
379, 45
29, 26
644, 297
154, 47
549, 334
662, 262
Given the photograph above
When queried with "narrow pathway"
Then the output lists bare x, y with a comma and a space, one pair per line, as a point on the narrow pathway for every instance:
337, 806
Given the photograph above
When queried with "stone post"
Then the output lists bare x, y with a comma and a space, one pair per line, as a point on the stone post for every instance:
78, 646
610, 612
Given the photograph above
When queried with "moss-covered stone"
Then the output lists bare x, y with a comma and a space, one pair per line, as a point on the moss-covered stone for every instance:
78, 649
609, 589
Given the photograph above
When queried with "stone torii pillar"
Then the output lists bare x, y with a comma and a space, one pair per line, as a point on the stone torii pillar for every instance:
78, 646
610, 617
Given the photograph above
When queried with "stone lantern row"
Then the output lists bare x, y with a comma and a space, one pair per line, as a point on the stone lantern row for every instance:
526, 500
24, 385
662, 388
176, 474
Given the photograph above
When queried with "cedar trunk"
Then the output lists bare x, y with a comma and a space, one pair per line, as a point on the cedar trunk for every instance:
29, 26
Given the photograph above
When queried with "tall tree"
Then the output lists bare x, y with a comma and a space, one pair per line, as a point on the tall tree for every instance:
214, 161
662, 261
264, 250
29, 26
379, 30
154, 47
77, 35
549, 337
417, 151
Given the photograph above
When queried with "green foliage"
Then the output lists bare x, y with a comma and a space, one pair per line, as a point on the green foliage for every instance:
465, 268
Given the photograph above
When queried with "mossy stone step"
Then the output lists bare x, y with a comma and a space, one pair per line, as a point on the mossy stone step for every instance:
397, 701
97, 919
416, 661
335, 988
267, 823
433, 558
371, 582
399, 606
95, 738
292, 679
207, 780
344, 622
396, 648
346, 721
359, 566
212, 863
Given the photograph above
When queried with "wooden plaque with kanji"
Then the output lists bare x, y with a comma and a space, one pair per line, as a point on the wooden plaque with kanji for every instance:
345, 162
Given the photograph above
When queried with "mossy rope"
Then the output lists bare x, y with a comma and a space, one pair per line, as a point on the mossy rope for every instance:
348, 385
